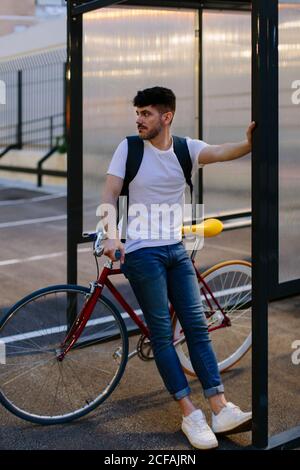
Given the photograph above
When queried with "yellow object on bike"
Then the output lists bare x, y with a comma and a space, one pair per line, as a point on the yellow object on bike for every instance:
209, 228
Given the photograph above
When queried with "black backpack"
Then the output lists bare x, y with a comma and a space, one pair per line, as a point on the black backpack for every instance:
133, 163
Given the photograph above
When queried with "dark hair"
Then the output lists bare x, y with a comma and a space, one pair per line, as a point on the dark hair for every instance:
158, 96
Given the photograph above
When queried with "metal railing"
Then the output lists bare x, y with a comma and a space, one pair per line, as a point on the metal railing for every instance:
34, 116
56, 143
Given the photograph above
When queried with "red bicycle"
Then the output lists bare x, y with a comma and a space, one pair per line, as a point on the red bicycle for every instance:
67, 345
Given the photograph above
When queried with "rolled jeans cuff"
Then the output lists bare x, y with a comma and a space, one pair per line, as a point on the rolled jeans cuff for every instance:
182, 393
210, 392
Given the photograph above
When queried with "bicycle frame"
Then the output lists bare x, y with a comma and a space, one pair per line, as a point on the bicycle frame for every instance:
96, 291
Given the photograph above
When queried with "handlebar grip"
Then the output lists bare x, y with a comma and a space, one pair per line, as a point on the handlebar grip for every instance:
118, 254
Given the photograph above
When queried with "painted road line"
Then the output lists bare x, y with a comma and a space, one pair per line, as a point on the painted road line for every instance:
107, 319
33, 221
59, 329
2, 352
224, 292
15, 202
9, 262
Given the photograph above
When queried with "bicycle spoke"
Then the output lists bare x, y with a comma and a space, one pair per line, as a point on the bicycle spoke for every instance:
23, 338
77, 378
27, 351
240, 305
235, 318
62, 379
56, 389
240, 301
24, 373
39, 391
90, 367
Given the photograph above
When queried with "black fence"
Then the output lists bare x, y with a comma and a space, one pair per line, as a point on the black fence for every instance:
9, 113
33, 117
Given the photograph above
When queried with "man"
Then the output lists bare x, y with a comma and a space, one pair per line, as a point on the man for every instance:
158, 266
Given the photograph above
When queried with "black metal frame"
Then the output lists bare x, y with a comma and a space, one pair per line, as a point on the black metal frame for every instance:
263, 75
264, 176
84, 6
200, 101
74, 140
265, 213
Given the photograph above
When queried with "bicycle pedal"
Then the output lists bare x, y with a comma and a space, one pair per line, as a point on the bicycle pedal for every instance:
117, 355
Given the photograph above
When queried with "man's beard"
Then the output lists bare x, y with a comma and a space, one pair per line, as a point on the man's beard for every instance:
152, 134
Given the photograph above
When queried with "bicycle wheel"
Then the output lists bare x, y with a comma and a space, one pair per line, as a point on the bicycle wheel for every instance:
37, 387
230, 284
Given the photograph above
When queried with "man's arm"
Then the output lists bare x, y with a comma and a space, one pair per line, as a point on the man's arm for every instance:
111, 192
227, 152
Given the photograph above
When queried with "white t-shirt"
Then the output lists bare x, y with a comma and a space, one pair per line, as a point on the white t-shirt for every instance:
160, 180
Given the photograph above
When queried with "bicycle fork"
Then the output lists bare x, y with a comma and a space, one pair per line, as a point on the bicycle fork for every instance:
81, 321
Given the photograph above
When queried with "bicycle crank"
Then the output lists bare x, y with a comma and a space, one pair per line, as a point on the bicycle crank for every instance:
144, 348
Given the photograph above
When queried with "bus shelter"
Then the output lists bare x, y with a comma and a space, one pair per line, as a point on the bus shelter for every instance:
229, 62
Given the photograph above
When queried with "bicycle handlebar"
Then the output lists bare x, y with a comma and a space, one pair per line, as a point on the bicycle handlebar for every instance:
207, 228
97, 238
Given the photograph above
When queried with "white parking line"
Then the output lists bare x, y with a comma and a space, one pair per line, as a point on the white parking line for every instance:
40, 257
224, 292
33, 221
15, 202
58, 329
107, 319
2, 352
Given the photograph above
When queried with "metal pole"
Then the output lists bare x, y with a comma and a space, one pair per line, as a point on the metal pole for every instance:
74, 140
51, 133
200, 106
65, 67
19, 125
265, 113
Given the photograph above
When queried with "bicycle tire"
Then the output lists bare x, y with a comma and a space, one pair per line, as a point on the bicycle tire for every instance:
230, 359
22, 341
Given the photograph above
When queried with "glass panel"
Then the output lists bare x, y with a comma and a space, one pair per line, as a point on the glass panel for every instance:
226, 105
284, 319
289, 141
125, 50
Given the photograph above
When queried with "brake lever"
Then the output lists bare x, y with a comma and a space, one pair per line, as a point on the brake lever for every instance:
98, 248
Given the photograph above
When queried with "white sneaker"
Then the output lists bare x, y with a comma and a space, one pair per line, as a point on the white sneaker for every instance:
231, 418
197, 431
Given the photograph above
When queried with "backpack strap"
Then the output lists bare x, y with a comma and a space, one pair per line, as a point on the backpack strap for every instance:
182, 153
133, 163
134, 160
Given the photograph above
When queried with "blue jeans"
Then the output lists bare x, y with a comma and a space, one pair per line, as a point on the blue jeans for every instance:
159, 274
